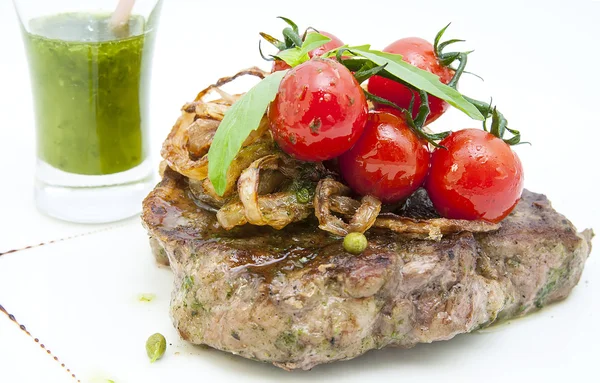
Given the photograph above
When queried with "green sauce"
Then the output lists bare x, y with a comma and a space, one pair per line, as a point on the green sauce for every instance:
90, 89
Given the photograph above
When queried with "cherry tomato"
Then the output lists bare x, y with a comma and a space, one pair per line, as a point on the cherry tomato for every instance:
279, 65
477, 177
334, 43
389, 161
419, 53
319, 111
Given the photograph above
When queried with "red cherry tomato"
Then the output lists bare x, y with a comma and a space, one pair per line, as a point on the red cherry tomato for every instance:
319, 111
389, 161
477, 177
419, 53
334, 43
279, 65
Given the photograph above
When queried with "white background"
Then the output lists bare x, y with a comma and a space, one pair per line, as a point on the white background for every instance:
540, 63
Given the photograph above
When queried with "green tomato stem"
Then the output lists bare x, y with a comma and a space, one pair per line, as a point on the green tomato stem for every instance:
499, 122
415, 125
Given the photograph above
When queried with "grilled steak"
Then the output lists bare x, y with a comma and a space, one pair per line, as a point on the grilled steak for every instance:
294, 298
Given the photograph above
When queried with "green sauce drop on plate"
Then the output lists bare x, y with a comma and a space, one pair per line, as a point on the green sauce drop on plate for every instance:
90, 88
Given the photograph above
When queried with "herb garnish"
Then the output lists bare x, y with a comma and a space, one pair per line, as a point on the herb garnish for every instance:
297, 55
245, 115
239, 121
410, 74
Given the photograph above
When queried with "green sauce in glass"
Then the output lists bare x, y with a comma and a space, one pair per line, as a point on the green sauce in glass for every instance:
90, 85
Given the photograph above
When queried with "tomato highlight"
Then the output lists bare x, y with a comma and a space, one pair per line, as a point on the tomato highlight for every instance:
477, 176
319, 111
389, 161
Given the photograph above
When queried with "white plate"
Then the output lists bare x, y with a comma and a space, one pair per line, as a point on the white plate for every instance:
80, 296
81, 299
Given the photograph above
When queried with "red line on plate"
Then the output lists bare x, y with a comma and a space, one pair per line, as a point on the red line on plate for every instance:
36, 340
61, 239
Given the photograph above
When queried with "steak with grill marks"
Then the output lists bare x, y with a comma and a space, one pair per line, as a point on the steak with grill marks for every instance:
295, 298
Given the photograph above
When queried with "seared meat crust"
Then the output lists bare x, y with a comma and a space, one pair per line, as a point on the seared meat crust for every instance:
294, 298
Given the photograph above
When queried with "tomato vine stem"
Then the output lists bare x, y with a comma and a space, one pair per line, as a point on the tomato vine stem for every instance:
499, 123
291, 38
363, 69
416, 125
271, 58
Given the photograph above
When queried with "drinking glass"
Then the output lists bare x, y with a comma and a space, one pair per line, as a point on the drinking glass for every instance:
90, 67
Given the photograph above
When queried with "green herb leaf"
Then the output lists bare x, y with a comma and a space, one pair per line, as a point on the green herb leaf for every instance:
296, 56
240, 120
416, 77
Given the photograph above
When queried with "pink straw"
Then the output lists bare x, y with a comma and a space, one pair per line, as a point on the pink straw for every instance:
121, 14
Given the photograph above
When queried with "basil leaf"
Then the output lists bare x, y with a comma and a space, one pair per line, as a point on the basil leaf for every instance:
240, 120
418, 78
296, 56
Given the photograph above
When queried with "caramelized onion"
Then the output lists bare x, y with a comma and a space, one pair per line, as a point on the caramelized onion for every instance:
267, 194
365, 215
186, 147
248, 187
205, 193
433, 228
267, 187
362, 215
232, 215
278, 210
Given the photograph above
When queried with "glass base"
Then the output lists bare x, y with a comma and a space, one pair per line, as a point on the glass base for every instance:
92, 199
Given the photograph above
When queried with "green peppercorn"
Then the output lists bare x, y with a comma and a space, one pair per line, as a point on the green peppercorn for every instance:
355, 243
155, 347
